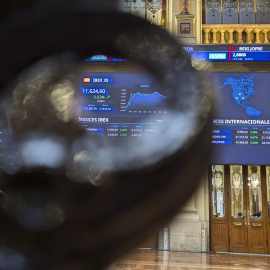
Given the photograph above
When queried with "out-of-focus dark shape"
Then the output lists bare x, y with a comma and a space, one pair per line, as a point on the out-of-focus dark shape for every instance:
74, 201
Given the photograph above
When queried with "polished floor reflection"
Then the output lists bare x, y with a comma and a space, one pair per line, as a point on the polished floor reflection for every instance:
166, 260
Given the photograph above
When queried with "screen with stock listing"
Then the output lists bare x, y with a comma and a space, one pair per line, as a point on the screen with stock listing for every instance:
119, 102
229, 53
241, 124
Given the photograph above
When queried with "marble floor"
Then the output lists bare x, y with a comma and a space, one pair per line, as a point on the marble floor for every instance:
167, 260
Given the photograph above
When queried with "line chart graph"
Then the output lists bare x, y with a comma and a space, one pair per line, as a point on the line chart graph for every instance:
141, 101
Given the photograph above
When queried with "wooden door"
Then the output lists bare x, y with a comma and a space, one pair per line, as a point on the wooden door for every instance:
256, 210
244, 224
218, 209
247, 212
238, 233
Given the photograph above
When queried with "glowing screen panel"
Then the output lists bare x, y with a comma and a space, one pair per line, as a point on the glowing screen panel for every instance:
241, 125
120, 101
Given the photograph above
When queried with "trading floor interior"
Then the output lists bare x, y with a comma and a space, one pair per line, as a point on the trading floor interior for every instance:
229, 211
225, 223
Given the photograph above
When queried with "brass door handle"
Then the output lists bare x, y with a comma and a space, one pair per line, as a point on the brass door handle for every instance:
256, 224
248, 218
238, 223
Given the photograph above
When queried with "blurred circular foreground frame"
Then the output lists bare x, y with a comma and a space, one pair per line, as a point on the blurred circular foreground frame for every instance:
103, 223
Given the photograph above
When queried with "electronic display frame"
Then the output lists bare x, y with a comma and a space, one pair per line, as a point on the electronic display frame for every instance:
119, 99
238, 137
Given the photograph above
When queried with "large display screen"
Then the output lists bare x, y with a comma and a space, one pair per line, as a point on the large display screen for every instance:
229, 53
124, 103
241, 125
119, 101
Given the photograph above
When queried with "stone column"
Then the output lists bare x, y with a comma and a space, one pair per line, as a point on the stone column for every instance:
172, 10
214, 31
265, 31
206, 33
248, 31
239, 39
185, 230
199, 32
189, 209
231, 31
185, 7
222, 32
257, 31
189, 229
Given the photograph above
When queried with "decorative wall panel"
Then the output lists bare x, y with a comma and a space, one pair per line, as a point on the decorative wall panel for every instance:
237, 197
213, 11
154, 11
255, 192
138, 8
230, 11
124, 5
154, 6
263, 11
246, 12
218, 195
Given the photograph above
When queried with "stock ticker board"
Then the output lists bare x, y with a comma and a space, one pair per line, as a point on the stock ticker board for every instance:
121, 104
231, 53
223, 53
131, 104
241, 125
